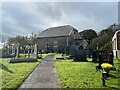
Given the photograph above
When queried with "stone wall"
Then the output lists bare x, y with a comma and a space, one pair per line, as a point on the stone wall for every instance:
54, 44
57, 44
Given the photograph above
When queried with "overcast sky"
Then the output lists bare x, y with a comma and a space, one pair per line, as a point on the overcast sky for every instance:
23, 18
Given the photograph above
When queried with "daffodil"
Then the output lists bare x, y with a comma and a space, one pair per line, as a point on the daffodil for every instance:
106, 65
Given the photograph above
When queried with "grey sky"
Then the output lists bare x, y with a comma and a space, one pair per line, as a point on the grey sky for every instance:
23, 18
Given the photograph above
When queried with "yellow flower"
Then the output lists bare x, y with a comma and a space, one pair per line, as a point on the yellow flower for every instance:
106, 65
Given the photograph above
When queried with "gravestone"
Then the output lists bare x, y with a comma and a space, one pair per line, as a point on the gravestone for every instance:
13, 51
35, 53
33, 59
17, 52
18, 60
24, 54
28, 53
80, 55
40, 52
95, 56
67, 50
105, 57
5, 52
8, 50
72, 51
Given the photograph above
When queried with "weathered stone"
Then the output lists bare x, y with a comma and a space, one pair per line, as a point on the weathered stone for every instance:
95, 56
80, 55
17, 54
105, 57
35, 53
22, 60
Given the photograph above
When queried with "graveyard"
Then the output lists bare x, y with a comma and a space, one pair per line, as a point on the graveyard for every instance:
60, 44
72, 74
84, 74
74, 70
13, 74
73, 65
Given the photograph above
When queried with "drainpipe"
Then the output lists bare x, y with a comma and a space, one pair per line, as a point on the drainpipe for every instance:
67, 45
67, 41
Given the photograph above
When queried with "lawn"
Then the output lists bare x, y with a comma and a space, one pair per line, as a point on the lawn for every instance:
83, 74
60, 56
14, 74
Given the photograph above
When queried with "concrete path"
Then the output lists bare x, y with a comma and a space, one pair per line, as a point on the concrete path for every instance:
44, 75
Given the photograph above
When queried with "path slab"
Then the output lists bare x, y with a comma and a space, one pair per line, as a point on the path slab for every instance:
44, 75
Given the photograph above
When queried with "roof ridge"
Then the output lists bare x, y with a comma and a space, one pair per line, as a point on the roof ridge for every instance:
58, 26
57, 31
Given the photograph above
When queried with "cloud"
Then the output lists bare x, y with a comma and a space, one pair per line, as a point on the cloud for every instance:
23, 18
90, 15
119, 12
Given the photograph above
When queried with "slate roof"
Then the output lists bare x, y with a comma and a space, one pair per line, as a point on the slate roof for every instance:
56, 31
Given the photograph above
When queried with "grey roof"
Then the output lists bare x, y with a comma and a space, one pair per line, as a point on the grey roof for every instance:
56, 31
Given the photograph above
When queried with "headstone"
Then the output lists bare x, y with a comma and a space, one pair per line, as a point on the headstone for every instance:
67, 50
28, 53
33, 59
24, 54
6, 52
40, 52
35, 53
17, 53
105, 57
95, 56
18, 60
31, 49
80, 55
13, 51
72, 50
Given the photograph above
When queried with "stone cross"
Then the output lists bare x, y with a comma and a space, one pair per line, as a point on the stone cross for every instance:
8, 49
28, 53
35, 49
17, 54
35, 53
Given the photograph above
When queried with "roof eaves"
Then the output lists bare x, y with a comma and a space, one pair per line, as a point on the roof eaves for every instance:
52, 36
70, 31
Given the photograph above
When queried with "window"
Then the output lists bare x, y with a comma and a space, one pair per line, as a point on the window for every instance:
55, 46
46, 43
55, 43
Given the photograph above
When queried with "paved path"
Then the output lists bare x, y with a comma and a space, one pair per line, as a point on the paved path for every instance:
44, 75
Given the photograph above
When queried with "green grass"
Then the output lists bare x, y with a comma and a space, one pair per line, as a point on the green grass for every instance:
14, 74
83, 74
60, 56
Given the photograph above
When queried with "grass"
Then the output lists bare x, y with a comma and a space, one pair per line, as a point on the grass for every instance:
60, 56
83, 74
14, 74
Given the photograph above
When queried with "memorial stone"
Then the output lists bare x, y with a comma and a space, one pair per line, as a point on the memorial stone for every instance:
106, 57
95, 56
80, 54
17, 52
35, 53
